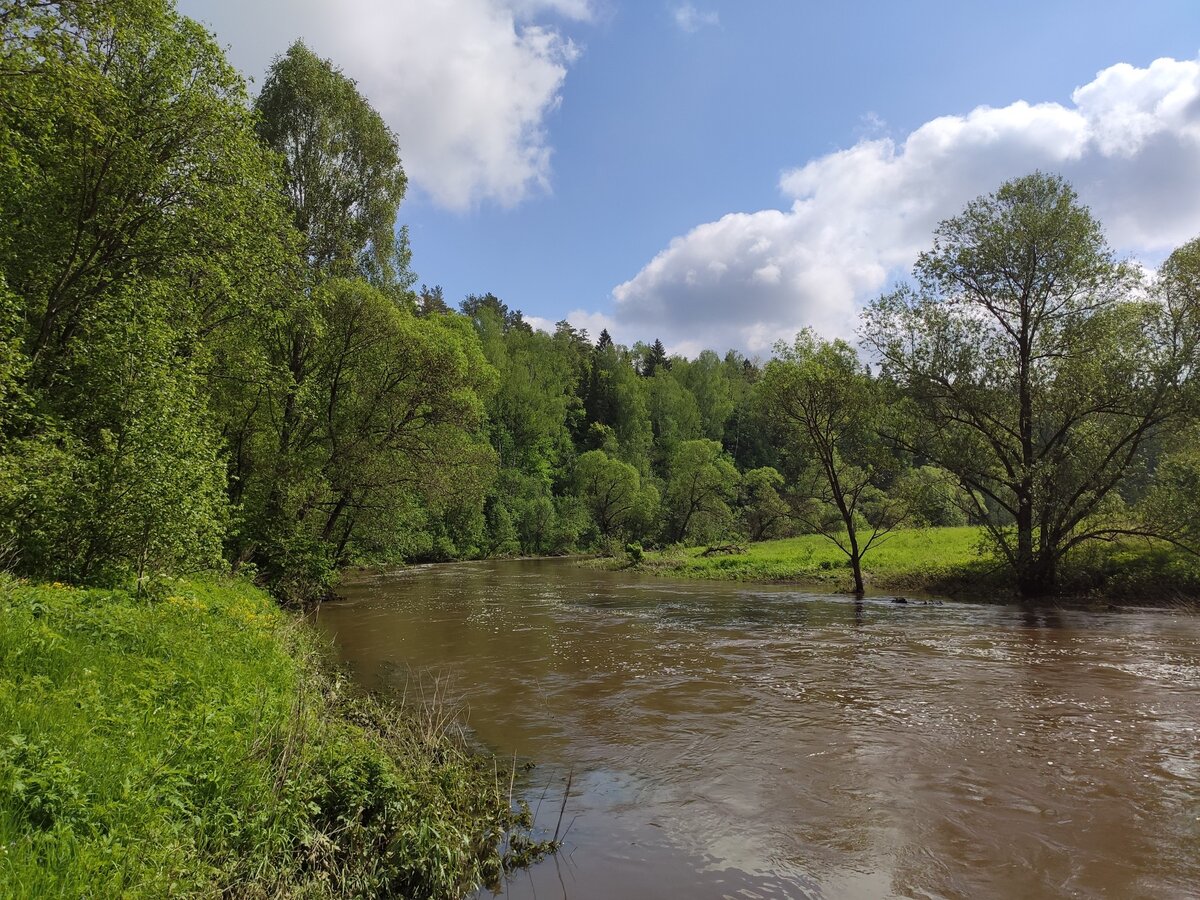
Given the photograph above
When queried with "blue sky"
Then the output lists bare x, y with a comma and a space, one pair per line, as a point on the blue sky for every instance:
587, 158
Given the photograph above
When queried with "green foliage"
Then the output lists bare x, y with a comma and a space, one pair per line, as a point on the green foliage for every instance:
612, 491
707, 380
674, 416
934, 497
1171, 507
189, 745
139, 219
383, 419
701, 483
825, 398
341, 165
764, 514
1034, 370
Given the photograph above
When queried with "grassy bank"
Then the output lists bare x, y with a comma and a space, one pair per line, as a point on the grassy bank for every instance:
191, 744
911, 560
948, 561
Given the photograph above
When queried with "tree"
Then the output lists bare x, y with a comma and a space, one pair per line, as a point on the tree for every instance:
476, 306
674, 417
611, 489
935, 497
342, 171
825, 397
372, 412
384, 424
701, 482
706, 377
655, 359
431, 301
141, 224
763, 512
1034, 369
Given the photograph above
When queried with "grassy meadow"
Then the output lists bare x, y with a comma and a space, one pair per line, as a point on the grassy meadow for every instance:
952, 561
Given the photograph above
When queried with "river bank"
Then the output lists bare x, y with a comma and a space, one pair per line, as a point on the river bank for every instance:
947, 562
196, 742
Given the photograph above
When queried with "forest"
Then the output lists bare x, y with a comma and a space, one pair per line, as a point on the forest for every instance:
215, 354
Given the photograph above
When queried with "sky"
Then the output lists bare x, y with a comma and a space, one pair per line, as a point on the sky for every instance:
723, 174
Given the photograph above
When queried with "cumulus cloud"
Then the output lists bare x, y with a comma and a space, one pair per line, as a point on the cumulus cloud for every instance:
1129, 142
690, 19
467, 85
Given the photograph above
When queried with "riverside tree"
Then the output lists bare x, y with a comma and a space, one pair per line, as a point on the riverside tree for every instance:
825, 398
613, 493
367, 413
701, 483
140, 222
1035, 369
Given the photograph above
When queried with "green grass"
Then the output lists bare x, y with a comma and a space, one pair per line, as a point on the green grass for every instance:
950, 561
190, 745
906, 559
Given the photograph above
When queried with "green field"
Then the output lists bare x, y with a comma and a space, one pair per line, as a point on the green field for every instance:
910, 559
190, 744
952, 561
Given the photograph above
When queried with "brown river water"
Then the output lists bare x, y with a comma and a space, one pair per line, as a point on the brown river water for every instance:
759, 742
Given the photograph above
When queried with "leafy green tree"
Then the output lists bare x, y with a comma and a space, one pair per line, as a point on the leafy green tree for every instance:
749, 435
396, 399
700, 485
475, 307
674, 416
826, 398
935, 497
764, 513
632, 425
1171, 507
573, 346
341, 162
529, 412
707, 378
141, 224
610, 489
616, 397
1034, 369
371, 414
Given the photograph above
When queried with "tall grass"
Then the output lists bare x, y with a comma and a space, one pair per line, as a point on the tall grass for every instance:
192, 744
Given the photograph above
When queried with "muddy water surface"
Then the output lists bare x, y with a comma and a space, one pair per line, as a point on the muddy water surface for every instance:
732, 741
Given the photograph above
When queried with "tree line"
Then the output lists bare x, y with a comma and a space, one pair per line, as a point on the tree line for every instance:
214, 353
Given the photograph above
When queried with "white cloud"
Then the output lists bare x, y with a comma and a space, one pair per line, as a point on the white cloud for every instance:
467, 85
1129, 142
690, 19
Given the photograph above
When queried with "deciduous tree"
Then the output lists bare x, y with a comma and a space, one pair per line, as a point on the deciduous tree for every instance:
825, 397
1035, 369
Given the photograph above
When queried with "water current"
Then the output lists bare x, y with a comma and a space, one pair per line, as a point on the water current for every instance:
742, 741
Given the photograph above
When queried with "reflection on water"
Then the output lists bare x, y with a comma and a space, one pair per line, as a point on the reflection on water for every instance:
758, 742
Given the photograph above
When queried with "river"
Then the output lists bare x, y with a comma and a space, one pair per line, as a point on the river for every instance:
758, 742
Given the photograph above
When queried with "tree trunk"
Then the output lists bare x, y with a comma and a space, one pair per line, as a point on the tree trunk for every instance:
855, 558
1040, 578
